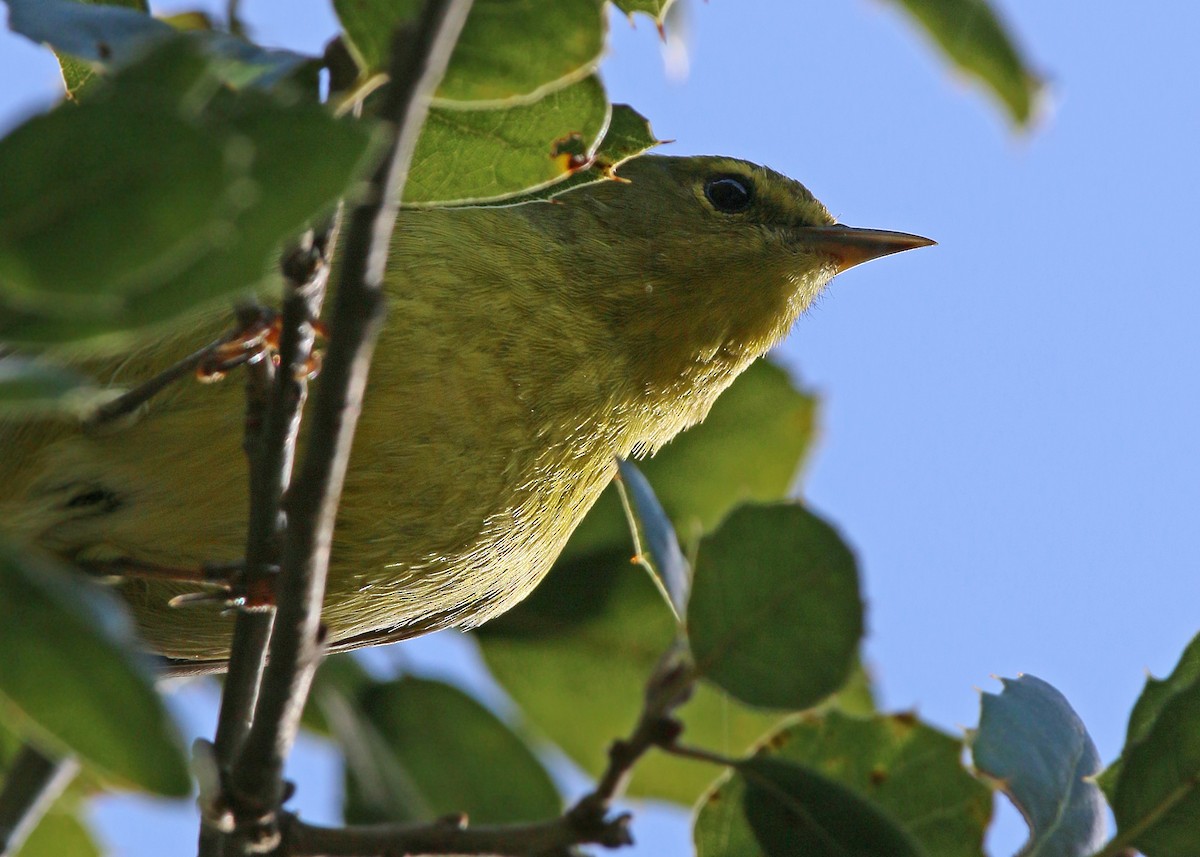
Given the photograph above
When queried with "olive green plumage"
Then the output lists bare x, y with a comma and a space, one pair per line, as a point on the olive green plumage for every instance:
525, 348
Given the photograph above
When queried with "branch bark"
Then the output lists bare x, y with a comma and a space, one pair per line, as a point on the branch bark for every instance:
255, 787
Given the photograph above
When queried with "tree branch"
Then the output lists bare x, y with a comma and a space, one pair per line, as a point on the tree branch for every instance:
255, 785
274, 401
273, 407
586, 823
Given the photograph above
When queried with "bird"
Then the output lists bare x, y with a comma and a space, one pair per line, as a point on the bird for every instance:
527, 348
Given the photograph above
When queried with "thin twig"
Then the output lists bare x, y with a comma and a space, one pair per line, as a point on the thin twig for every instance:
588, 822
256, 785
543, 838
131, 400
33, 782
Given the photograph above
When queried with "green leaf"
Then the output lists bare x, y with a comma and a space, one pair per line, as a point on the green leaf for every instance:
775, 615
1155, 790
31, 387
911, 772
161, 192
472, 155
656, 9
458, 755
669, 565
1156, 694
507, 51
376, 785
1034, 746
973, 38
602, 623
72, 676
597, 622
627, 136
791, 811
86, 34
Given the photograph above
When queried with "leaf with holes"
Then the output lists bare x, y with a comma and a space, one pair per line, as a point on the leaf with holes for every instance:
474, 155
628, 135
1033, 744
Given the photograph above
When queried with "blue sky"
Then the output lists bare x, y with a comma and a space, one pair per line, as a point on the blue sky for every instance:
1010, 418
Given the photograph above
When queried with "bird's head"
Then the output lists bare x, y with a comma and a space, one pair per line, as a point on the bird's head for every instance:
702, 264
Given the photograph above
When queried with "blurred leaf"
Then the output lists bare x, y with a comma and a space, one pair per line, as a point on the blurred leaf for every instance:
1155, 789
669, 565
467, 155
29, 386
195, 20
856, 697
974, 39
72, 674
777, 809
910, 771
1034, 746
161, 192
86, 33
748, 448
775, 614
60, 833
109, 31
376, 786
458, 755
507, 51
656, 9
83, 32
85, 783
339, 674
241, 64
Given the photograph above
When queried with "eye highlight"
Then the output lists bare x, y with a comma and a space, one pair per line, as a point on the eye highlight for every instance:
729, 194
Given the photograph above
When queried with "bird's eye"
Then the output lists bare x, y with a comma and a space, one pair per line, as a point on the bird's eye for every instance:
729, 194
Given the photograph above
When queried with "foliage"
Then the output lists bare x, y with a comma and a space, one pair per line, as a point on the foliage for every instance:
218, 152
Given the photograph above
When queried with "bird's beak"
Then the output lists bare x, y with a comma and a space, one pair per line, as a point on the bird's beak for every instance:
851, 246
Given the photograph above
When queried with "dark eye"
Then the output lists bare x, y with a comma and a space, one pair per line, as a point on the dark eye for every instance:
729, 194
